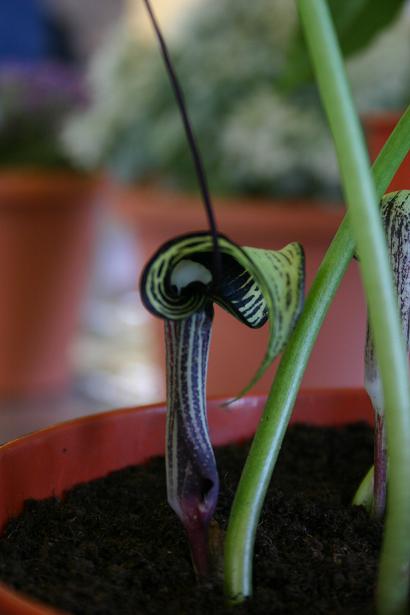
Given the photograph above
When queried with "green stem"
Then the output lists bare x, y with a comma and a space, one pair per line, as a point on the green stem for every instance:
364, 493
250, 494
265, 448
261, 460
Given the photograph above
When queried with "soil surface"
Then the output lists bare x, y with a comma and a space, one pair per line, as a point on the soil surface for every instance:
114, 547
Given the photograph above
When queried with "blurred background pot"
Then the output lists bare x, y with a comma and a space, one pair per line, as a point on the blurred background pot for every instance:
46, 231
49, 462
378, 127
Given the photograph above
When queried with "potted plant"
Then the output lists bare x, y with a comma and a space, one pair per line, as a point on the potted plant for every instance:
207, 267
47, 214
256, 141
120, 439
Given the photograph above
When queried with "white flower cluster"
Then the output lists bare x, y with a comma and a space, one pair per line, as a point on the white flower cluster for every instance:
274, 148
229, 55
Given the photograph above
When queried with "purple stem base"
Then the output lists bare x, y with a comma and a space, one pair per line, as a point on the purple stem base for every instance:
192, 477
380, 468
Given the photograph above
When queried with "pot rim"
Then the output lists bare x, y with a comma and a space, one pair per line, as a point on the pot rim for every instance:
29, 189
160, 408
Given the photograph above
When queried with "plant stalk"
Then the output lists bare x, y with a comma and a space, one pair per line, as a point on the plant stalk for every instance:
265, 448
192, 477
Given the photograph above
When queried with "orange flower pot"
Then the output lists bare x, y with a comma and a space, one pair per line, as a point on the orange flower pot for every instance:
337, 359
46, 230
50, 461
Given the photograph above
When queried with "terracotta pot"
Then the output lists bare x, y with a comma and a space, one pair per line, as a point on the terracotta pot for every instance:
337, 357
49, 462
46, 230
377, 129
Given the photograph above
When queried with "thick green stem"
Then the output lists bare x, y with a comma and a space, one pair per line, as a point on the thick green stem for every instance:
265, 448
262, 457
360, 194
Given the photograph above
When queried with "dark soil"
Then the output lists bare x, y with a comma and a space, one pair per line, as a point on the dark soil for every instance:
113, 547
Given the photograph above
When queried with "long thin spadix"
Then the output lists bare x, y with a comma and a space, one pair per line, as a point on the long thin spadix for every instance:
395, 211
194, 149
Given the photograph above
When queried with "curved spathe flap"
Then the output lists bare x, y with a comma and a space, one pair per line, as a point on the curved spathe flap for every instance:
254, 285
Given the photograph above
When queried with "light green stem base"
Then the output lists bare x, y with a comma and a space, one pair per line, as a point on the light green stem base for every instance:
364, 493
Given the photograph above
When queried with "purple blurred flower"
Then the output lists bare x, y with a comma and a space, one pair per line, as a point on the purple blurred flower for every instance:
35, 88
35, 99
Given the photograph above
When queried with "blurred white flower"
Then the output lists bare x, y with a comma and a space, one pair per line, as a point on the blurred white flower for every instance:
268, 139
380, 75
229, 55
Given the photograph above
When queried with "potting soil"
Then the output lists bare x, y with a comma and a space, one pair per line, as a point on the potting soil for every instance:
114, 547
